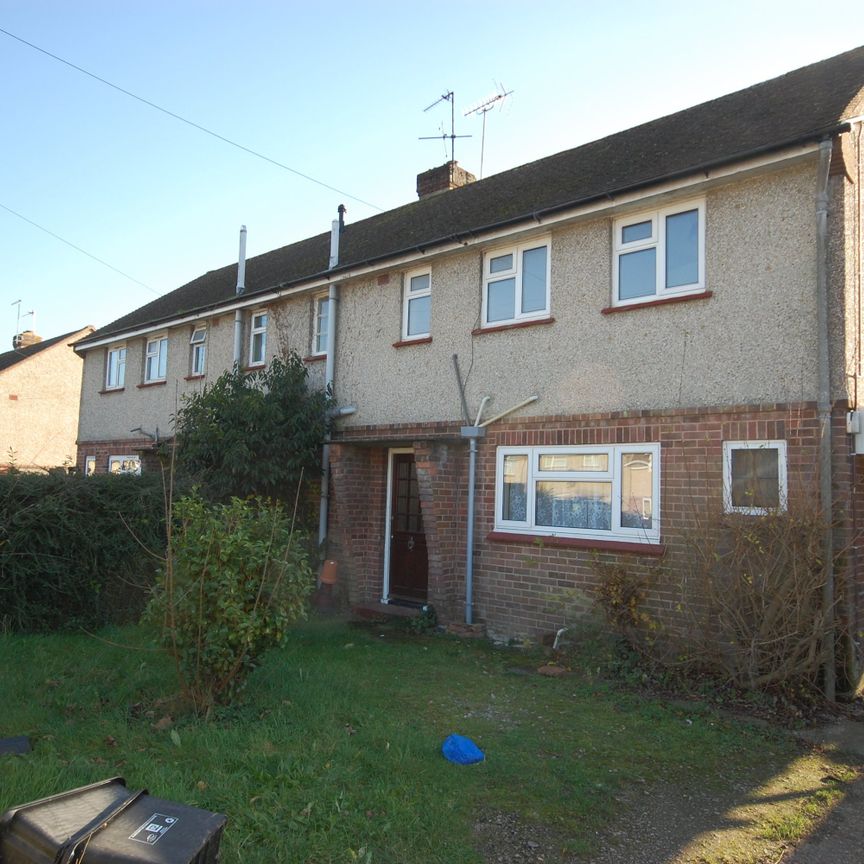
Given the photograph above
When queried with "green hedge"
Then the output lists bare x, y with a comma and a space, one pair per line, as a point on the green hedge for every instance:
73, 550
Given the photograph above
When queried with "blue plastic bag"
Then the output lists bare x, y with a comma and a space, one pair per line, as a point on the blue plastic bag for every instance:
461, 750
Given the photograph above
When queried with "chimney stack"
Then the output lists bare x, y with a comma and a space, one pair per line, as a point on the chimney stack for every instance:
22, 340
442, 179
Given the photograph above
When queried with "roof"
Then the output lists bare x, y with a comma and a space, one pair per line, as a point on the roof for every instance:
18, 355
799, 107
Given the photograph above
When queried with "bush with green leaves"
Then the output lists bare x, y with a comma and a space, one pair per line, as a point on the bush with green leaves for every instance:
254, 433
236, 578
77, 551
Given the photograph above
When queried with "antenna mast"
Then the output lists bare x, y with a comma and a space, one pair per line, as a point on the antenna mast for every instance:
483, 108
446, 97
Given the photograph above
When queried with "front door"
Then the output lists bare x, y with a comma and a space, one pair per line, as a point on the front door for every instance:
409, 566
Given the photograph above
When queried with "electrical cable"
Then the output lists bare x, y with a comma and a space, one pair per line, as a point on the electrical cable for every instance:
191, 123
79, 249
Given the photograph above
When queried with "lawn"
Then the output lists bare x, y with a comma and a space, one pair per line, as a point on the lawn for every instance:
335, 754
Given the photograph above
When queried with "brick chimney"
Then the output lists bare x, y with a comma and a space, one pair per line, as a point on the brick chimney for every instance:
443, 178
22, 340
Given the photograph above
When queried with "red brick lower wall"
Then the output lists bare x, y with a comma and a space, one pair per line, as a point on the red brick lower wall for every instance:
102, 450
519, 585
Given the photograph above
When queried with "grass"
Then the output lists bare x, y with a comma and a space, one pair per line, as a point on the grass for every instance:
335, 754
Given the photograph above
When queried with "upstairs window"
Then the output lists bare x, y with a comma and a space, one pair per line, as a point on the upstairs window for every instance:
156, 359
258, 339
198, 358
754, 477
516, 284
320, 324
115, 368
417, 305
659, 254
605, 493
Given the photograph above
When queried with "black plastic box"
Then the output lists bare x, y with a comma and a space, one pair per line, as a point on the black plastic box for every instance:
106, 823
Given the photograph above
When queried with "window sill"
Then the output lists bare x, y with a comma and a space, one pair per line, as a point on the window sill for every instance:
513, 325
108, 390
655, 550
152, 384
256, 368
404, 343
660, 301
314, 358
194, 377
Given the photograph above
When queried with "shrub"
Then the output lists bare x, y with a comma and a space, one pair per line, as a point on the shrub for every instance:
256, 433
77, 551
235, 579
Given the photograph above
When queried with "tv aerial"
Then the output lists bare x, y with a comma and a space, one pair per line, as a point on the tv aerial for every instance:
483, 108
446, 97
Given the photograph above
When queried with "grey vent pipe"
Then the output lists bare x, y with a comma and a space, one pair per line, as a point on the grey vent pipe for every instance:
241, 288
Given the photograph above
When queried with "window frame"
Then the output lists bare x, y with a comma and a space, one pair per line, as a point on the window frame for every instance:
657, 241
516, 273
89, 466
125, 458
259, 330
121, 352
160, 356
408, 296
782, 475
318, 301
612, 475
198, 351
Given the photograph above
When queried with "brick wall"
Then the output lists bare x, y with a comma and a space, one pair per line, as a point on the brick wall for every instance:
102, 450
519, 582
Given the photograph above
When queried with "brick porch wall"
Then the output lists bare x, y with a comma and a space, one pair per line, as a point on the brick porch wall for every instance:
102, 450
519, 583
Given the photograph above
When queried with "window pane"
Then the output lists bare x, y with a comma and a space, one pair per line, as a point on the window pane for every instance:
321, 324
418, 315
639, 231
534, 279
501, 300
260, 321
574, 462
163, 358
501, 263
420, 283
755, 478
566, 504
682, 249
637, 484
515, 493
258, 348
637, 274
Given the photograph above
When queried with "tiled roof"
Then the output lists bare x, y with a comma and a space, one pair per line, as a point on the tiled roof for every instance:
17, 355
801, 106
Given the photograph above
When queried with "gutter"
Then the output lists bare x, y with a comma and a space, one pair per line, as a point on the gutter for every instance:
470, 235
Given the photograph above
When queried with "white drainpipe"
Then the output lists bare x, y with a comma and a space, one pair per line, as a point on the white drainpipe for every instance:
241, 287
329, 374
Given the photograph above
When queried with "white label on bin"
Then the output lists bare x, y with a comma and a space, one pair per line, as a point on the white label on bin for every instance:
154, 829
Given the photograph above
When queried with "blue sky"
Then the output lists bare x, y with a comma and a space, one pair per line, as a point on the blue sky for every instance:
335, 91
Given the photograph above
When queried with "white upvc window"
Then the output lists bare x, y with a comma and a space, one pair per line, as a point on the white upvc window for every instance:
607, 492
156, 359
89, 466
115, 368
124, 464
417, 305
198, 349
320, 323
516, 283
754, 477
258, 339
659, 254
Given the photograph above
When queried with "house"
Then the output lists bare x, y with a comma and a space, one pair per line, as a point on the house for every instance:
40, 392
676, 308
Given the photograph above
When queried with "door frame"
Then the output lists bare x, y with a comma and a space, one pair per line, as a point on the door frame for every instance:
388, 515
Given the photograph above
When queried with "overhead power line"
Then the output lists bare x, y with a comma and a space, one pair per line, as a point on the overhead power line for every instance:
191, 123
79, 249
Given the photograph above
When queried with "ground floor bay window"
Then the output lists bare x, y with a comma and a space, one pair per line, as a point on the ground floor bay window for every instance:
609, 492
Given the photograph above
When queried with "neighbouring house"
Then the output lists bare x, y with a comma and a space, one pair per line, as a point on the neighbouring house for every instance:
682, 298
40, 393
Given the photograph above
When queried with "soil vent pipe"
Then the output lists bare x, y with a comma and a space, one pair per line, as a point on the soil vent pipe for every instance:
241, 288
